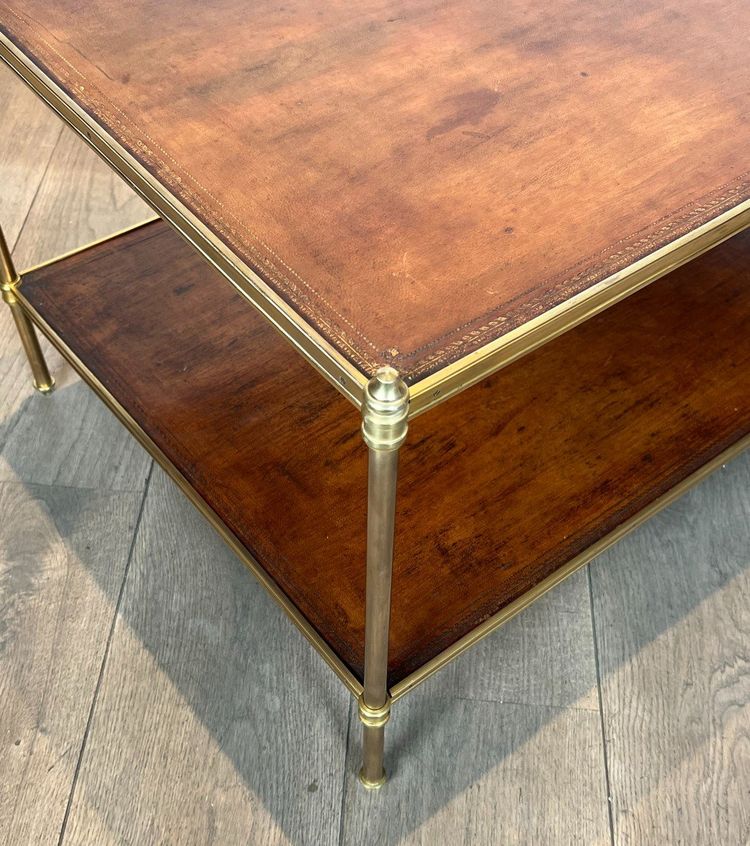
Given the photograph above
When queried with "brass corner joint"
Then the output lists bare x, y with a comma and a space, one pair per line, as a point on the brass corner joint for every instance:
374, 717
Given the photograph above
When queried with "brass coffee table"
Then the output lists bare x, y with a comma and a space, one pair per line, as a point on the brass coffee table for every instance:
435, 208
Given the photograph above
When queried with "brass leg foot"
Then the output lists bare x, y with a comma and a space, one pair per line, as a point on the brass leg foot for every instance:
373, 775
45, 390
43, 381
372, 785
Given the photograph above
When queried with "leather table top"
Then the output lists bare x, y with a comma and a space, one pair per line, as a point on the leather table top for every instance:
416, 178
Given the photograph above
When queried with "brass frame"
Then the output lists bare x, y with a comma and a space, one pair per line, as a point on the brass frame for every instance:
385, 401
373, 716
384, 427
335, 367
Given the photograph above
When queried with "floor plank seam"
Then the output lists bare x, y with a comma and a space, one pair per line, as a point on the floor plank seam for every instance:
104, 491
513, 703
37, 190
43, 704
105, 656
345, 774
15, 423
607, 782
14, 246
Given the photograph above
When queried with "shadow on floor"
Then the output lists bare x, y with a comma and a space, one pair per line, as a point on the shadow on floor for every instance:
198, 633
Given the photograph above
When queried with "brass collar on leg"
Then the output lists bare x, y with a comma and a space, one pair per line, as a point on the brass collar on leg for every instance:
8, 294
374, 717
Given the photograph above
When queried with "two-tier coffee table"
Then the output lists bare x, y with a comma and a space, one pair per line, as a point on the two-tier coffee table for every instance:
438, 222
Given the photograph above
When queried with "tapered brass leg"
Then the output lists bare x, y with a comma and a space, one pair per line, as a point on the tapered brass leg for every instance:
384, 425
9, 280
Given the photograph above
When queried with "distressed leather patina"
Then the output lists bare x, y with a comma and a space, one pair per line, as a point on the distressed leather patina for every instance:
416, 178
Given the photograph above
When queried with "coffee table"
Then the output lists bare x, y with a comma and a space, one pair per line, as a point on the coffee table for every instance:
438, 224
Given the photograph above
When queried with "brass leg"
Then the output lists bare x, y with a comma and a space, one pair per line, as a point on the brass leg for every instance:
384, 425
9, 280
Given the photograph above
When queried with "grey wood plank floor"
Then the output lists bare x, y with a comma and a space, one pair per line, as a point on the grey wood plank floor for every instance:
150, 692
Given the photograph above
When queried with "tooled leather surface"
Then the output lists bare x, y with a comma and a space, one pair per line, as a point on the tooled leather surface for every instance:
418, 178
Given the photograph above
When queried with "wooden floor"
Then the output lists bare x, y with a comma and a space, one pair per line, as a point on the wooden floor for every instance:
151, 693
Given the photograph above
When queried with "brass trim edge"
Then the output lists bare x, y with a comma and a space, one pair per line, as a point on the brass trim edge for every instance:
490, 625
343, 375
333, 661
470, 369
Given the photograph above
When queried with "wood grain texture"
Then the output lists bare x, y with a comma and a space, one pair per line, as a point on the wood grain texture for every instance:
478, 772
216, 722
417, 178
672, 609
62, 560
498, 488
69, 438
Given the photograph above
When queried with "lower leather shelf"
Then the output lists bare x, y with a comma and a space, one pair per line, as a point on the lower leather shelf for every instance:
499, 487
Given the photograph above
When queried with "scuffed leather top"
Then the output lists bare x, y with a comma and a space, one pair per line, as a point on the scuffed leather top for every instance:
416, 177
